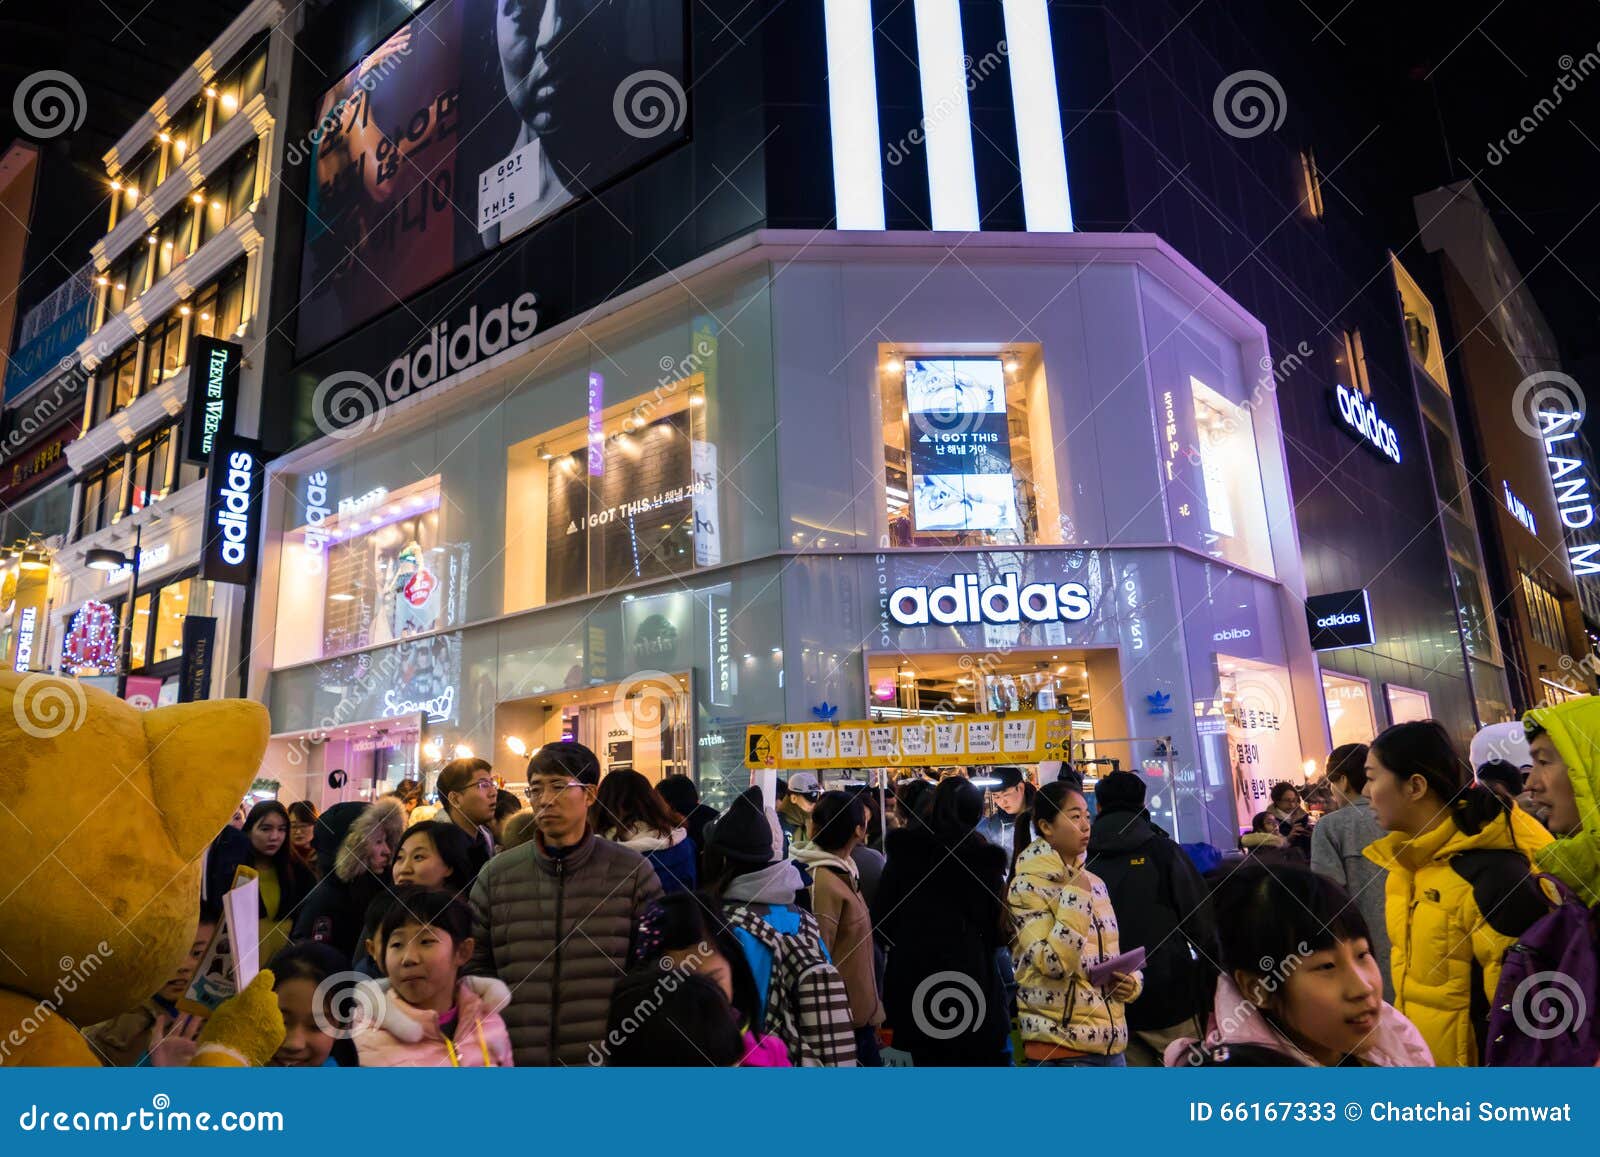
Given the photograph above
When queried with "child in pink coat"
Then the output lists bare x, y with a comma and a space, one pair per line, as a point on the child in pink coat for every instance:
430, 1016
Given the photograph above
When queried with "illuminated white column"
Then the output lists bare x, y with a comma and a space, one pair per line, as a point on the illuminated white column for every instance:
853, 113
1040, 147
946, 121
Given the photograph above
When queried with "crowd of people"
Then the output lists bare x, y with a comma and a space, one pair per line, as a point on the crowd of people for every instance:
1375, 917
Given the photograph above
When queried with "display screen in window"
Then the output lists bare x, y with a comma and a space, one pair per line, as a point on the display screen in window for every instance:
960, 445
636, 521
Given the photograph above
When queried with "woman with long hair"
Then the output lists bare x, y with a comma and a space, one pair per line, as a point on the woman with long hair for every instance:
263, 846
1460, 888
629, 811
1065, 929
302, 835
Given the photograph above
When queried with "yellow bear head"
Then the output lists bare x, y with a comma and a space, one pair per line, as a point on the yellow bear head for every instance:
104, 813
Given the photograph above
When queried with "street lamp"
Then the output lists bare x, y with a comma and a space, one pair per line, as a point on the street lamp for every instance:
103, 558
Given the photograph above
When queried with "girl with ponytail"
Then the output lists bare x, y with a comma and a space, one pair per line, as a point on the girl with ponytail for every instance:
1065, 927
1460, 888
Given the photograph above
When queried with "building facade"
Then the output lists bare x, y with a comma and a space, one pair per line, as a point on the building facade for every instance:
616, 438
1531, 460
180, 269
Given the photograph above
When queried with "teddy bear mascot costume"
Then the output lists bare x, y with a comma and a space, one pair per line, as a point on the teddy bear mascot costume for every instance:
104, 813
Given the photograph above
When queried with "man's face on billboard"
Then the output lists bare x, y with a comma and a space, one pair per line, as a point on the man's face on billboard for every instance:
526, 31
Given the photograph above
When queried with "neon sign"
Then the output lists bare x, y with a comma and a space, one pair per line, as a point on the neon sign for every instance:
1574, 500
962, 601
1360, 417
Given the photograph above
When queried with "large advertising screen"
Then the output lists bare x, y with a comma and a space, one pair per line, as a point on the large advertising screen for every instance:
961, 475
473, 122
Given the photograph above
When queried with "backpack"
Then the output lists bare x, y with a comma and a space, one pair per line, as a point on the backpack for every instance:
1544, 1010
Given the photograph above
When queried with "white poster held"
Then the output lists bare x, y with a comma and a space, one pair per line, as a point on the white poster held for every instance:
242, 911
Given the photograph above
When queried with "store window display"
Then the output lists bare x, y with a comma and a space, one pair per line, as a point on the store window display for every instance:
966, 448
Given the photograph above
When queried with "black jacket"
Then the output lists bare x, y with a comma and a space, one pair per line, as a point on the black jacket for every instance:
336, 908
1162, 906
941, 910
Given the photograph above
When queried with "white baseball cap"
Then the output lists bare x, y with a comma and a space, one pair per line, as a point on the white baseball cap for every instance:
1507, 741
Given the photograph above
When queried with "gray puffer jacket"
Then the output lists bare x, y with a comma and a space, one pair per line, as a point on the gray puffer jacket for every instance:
557, 932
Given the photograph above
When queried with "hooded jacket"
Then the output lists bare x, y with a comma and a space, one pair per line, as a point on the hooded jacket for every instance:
804, 997
1454, 904
1237, 1023
333, 911
1065, 925
409, 1037
556, 930
1162, 906
841, 913
672, 856
1574, 728
940, 913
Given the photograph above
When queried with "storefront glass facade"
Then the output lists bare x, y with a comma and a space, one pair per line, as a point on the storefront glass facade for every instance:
698, 518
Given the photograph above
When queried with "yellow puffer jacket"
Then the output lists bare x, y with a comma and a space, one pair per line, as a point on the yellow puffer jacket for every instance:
1451, 920
1574, 728
1065, 924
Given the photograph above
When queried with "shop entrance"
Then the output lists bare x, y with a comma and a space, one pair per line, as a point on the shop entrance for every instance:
642, 724
355, 763
1085, 683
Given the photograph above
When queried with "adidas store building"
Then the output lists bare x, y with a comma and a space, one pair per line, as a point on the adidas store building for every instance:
789, 474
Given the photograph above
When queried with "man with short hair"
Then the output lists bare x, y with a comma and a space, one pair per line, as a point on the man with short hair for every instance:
554, 918
1162, 906
1338, 841
683, 797
468, 795
1564, 780
1012, 794
796, 798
